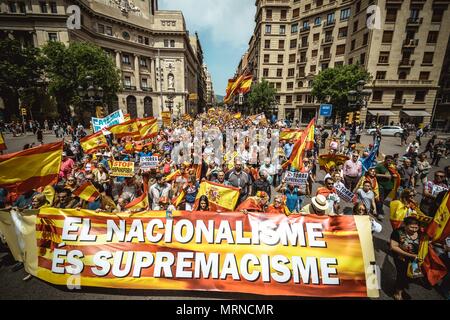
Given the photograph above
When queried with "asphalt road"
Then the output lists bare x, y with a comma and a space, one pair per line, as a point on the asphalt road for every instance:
12, 286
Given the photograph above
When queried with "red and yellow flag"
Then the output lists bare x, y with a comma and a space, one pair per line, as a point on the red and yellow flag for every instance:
140, 202
32, 168
327, 161
2, 143
306, 142
288, 134
236, 86
87, 192
246, 84
172, 176
220, 196
126, 117
93, 142
148, 128
125, 129
439, 229
177, 200
396, 176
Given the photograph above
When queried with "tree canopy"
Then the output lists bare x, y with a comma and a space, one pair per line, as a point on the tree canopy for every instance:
262, 97
68, 67
333, 84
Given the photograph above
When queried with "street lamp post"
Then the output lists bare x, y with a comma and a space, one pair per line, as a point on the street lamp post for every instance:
91, 95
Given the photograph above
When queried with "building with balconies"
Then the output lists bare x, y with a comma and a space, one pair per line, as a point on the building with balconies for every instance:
150, 47
294, 40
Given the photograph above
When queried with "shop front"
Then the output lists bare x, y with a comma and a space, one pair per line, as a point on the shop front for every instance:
381, 117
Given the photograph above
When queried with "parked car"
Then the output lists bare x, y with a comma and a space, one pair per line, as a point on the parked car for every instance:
387, 131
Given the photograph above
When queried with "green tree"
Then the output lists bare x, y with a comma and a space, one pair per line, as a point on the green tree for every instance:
21, 73
262, 97
67, 69
333, 84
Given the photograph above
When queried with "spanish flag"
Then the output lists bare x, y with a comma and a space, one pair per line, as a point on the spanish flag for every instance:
177, 200
2, 143
32, 168
93, 142
430, 263
327, 161
246, 84
439, 228
398, 212
172, 176
288, 134
220, 196
87, 192
437, 231
148, 128
234, 88
142, 201
126, 117
306, 142
125, 129
237, 115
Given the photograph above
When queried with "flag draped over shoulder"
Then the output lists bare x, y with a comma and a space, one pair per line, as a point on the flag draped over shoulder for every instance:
93, 142
220, 196
2, 142
142, 201
306, 142
32, 168
148, 128
437, 231
87, 192
126, 129
172, 176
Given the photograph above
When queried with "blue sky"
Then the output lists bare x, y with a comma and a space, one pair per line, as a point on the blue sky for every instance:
224, 28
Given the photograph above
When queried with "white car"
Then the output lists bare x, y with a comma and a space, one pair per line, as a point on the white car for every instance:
387, 131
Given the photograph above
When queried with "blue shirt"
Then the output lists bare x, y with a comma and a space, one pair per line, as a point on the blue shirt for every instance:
145, 154
288, 149
292, 200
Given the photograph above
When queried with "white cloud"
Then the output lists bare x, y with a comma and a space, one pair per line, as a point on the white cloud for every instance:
225, 22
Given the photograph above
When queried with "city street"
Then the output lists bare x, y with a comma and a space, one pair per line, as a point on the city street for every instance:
12, 286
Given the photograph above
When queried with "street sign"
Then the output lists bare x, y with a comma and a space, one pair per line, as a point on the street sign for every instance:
325, 110
23, 111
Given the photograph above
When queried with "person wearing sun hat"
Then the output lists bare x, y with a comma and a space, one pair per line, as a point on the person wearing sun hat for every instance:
318, 206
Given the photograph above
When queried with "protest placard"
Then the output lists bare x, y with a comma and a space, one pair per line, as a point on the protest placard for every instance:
148, 162
296, 178
343, 192
122, 169
114, 118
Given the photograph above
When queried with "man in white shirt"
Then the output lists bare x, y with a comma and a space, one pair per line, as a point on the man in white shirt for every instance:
158, 190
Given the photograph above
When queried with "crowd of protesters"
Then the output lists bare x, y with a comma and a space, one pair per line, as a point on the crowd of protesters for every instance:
263, 185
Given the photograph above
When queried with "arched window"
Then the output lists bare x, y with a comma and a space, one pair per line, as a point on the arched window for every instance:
132, 107
148, 107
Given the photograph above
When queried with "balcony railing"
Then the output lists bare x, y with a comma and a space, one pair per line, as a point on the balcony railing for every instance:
302, 61
329, 23
303, 45
410, 42
301, 75
146, 89
327, 40
414, 21
403, 82
325, 57
305, 29
399, 101
406, 63
128, 87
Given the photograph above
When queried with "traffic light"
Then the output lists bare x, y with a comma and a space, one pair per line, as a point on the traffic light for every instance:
349, 117
358, 116
23, 111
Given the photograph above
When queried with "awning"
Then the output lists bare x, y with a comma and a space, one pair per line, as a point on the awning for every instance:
416, 113
381, 113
